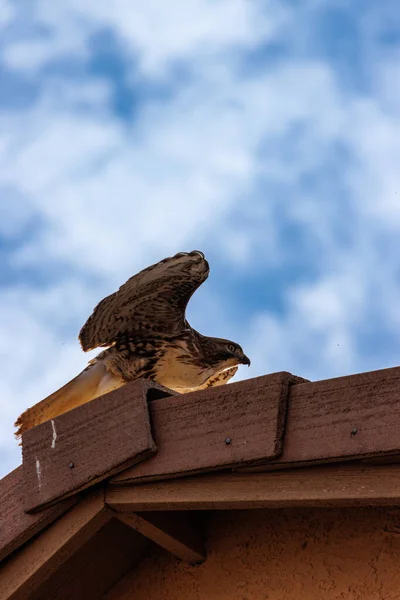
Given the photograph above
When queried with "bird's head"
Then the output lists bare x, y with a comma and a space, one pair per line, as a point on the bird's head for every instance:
224, 353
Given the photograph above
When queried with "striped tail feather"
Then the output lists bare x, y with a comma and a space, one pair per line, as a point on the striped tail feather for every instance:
92, 382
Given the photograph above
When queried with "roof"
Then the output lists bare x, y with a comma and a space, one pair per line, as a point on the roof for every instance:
135, 466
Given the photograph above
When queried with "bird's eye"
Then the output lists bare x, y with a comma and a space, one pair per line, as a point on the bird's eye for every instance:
231, 348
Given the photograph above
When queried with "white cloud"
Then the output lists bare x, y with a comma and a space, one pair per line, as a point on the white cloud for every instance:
154, 32
375, 136
188, 163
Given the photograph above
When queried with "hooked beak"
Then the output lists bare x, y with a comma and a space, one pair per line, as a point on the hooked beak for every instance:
245, 360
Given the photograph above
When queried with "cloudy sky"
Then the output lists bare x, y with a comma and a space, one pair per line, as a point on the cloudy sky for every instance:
265, 133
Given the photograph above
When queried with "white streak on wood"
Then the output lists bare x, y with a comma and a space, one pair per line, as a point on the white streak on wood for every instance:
39, 473
53, 443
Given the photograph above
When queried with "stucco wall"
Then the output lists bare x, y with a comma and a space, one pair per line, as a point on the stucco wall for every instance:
322, 554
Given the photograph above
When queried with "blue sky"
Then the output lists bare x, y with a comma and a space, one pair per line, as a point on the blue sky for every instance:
266, 134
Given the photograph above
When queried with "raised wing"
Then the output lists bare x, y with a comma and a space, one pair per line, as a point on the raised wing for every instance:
152, 302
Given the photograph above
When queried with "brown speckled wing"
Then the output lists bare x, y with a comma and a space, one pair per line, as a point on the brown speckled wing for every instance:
153, 302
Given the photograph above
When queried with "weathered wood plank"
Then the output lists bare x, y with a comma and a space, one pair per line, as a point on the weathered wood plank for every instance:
346, 417
329, 485
86, 445
17, 527
177, 532
211, 429
22, 573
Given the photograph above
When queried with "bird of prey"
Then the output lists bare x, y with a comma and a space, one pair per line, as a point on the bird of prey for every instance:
145, 334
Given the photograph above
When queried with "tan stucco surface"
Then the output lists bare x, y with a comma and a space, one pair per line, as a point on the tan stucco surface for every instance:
310, 554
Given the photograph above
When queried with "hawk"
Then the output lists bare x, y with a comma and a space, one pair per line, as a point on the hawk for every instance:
145, 334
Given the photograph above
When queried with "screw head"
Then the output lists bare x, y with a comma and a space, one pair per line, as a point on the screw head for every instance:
354, 431
71, 465
228, 441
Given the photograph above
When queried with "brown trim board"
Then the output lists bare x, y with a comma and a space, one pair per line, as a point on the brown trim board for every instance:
17, 527
329, 485
86, 445
23, 572
214, 428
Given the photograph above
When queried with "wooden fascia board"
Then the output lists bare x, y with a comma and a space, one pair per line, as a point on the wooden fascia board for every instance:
334, 420
16, 526
86, 445
211, 429
23, 572
337, 485
344, 418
